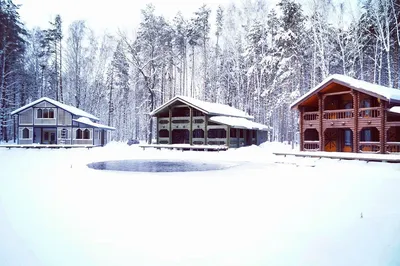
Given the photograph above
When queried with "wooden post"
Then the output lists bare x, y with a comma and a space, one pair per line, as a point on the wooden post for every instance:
321, 126
158, 130
205, 129
170, 126
382, 133
191, 126
301, 110
228, 136
356, 104
245, 136
238, 138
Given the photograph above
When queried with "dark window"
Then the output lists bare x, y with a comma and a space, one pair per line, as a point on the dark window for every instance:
164, 121
216, 133
25, 133
163, 133
198, 133
86, 134
45, 113
51, 113
79, 134
39, 113
233, 133
348, 137
311, 135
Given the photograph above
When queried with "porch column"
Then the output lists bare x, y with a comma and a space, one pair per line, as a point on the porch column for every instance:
205, 129
191, 126
228, 136
356, 135
170, 126
382, 133
301, 141
238, 137
321, 126
158, 131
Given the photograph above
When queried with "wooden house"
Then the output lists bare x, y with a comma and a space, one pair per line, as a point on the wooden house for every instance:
46, 121
343, 114
185, 120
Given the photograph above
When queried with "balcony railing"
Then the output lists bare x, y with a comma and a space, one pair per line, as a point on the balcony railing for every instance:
311, 145
339, 114
393, 147
371, 112
369, 147
310, 116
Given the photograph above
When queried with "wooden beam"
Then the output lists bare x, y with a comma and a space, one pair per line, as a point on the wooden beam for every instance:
382, 133
238, 137
336, 93
170, 126
191, 126
356, 105
228, 136
158, 130
321, 125
301, 110
205, 129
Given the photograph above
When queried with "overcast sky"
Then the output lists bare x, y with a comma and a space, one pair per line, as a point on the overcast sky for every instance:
101, 15
112, 15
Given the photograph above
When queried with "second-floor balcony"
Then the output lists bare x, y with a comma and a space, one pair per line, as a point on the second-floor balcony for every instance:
342, 116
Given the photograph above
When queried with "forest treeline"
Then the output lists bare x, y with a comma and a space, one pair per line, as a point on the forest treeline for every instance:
251, 55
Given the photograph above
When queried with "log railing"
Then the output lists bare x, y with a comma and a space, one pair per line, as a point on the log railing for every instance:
393, 147
311, 116
338, 114
311, 145
370, 112
369, 147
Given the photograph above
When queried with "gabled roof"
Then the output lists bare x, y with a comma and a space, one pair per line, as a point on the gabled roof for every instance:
69, 108
382, 92
239, 122
87, 121
206, 107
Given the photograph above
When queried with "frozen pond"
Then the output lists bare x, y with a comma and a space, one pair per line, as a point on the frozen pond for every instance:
158, 166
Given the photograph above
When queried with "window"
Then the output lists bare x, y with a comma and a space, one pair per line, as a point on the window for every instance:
163, 133
51, 113
198, 133
45, 113
86, 134
348, 137
79, 133
216, 133
25, 133
39, 113
64, 133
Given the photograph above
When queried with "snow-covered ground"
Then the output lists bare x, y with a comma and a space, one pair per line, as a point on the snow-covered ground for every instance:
266, 210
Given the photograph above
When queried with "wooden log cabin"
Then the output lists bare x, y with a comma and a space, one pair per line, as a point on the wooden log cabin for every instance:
343, 114
185, 120
46, 121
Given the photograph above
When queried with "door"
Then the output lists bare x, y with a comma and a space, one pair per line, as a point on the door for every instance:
331, 140
49, 136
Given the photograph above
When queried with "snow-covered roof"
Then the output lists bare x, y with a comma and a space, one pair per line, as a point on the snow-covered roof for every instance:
87, 121
69, 108
238, 122
395, 109
206, 107
388, 94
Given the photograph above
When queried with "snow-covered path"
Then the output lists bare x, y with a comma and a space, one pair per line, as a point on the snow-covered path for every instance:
56, 211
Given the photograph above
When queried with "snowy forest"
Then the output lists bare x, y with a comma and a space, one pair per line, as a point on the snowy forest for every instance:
252, 55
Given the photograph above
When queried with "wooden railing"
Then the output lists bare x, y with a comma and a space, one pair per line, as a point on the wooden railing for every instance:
310, 116
393, 147
338, 114
371, 112
369, 147
311, 145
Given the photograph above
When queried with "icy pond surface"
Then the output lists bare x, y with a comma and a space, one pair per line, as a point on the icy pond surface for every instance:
158, 166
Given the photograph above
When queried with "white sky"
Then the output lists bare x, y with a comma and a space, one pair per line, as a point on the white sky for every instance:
104, 15
117, 14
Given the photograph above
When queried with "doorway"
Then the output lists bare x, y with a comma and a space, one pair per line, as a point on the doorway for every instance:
338, 140
49, 136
